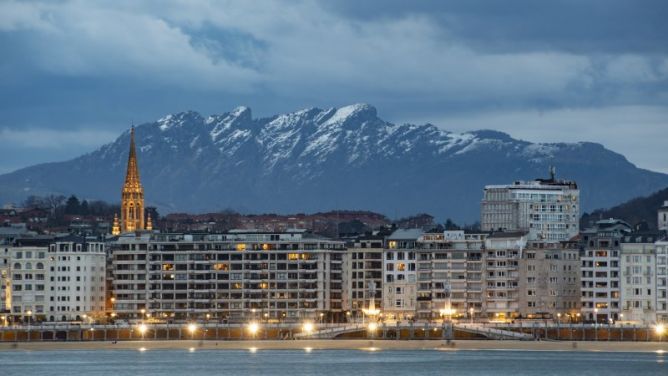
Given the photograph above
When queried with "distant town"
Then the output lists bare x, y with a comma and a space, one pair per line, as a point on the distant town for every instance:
66, 261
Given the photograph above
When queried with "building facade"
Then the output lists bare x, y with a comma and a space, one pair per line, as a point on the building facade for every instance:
547, 209
58, 279
400, 275
237, 276
661, 249
600, 257
363, 274
549, 281
449, 279
503, 251
638, 279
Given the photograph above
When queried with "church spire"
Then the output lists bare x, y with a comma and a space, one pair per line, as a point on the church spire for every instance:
115, 227
132, 174
132, 196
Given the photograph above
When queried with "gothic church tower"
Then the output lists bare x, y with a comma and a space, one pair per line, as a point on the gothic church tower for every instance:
132, 197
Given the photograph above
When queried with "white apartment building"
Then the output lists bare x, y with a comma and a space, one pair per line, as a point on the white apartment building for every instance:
54, 279
661, 248
600, 270
28, 290
77, 280
548, 209
638, 280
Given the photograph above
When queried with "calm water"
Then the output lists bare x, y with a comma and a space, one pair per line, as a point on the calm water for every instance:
329, 362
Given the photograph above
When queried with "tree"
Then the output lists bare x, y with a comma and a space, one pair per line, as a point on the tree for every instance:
83, 208
54, 202
34, 202
450, 225
72, 206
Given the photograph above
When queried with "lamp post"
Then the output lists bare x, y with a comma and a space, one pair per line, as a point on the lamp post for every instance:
471, 312
660, 329
29, 313
192, 328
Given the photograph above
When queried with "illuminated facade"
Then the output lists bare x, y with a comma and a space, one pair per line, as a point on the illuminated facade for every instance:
132, 197
548, 209
236, 276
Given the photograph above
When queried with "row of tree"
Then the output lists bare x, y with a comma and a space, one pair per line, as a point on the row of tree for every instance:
58, 204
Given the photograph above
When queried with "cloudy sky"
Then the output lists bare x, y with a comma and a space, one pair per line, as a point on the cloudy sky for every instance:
74, 74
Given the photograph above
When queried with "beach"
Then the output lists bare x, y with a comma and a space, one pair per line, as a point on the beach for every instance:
349, 344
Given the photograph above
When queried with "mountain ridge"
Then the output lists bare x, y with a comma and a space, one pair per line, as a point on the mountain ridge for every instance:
319, 159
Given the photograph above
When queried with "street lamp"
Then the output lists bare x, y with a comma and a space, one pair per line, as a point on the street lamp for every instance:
192, 328
596, 315
253, 328
660, 329
307, 328
372, 327
142, 330
471, 312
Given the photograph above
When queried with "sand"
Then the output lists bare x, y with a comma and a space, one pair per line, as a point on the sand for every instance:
368, 345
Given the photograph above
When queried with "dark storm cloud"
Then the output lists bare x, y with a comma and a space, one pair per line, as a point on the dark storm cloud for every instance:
544, 71
595, 26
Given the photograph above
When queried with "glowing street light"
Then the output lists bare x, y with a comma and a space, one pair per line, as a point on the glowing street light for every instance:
192, 328
308, 328
253, 328
372, 327
659, 329
142, 330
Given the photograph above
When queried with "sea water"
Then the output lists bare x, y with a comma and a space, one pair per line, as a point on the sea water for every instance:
197, 362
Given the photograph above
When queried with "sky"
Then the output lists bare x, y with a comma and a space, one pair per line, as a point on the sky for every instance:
74, 74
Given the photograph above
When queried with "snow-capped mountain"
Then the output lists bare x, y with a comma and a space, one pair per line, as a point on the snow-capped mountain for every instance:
314, 159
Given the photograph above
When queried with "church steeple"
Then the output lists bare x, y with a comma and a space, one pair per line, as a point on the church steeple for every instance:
132, 197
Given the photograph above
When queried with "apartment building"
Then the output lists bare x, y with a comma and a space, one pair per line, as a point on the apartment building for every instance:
77, 280
400, 274
547, 209
237, 276
363, 274
638, 279
549, 281
503, 250
449, 275
600, 270
54, 279
661, 249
